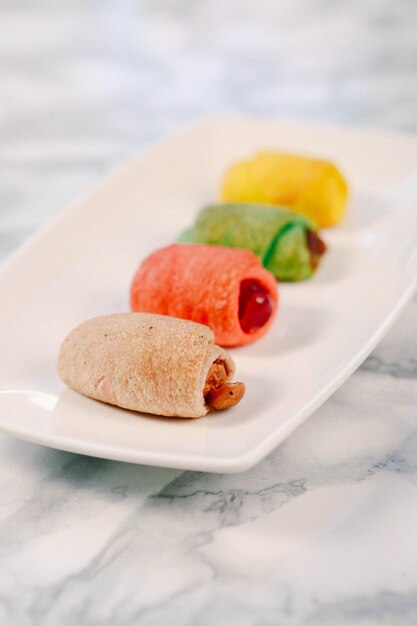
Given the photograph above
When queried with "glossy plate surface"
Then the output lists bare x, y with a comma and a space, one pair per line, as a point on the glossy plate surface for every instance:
82, 263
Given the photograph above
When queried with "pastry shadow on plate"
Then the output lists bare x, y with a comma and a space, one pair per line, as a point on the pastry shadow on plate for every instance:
88, 413
262, 393
295, 327
335, 266
92, 416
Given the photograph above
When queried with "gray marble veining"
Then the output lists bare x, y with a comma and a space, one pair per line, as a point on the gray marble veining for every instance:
323, 531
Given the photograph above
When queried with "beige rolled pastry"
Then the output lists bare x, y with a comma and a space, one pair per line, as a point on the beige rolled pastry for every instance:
149, 363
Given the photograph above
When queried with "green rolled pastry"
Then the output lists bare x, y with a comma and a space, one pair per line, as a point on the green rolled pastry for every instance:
286, 242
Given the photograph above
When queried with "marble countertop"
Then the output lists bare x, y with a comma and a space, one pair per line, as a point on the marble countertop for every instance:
323, 531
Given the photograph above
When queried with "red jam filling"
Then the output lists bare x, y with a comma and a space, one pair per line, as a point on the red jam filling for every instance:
255, 305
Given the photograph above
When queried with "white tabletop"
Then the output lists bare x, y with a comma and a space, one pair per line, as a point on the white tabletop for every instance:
323, 531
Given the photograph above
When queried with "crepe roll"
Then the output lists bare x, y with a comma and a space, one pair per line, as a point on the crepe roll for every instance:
287, 243
149, 363
224, 288
309, 186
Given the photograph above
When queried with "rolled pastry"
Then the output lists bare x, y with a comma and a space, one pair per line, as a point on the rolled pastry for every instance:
149, 363
313, 187
287, 243
224, 288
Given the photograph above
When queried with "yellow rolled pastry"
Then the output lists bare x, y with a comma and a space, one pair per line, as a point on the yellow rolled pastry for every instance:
309, 186
149, 363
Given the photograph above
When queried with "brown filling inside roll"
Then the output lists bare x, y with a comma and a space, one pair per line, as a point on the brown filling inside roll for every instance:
218, 393
316, 247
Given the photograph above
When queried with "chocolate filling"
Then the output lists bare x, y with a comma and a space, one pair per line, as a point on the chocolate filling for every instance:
316, 247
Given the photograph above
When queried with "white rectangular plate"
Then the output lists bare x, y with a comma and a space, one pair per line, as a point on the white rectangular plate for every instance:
82, 265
